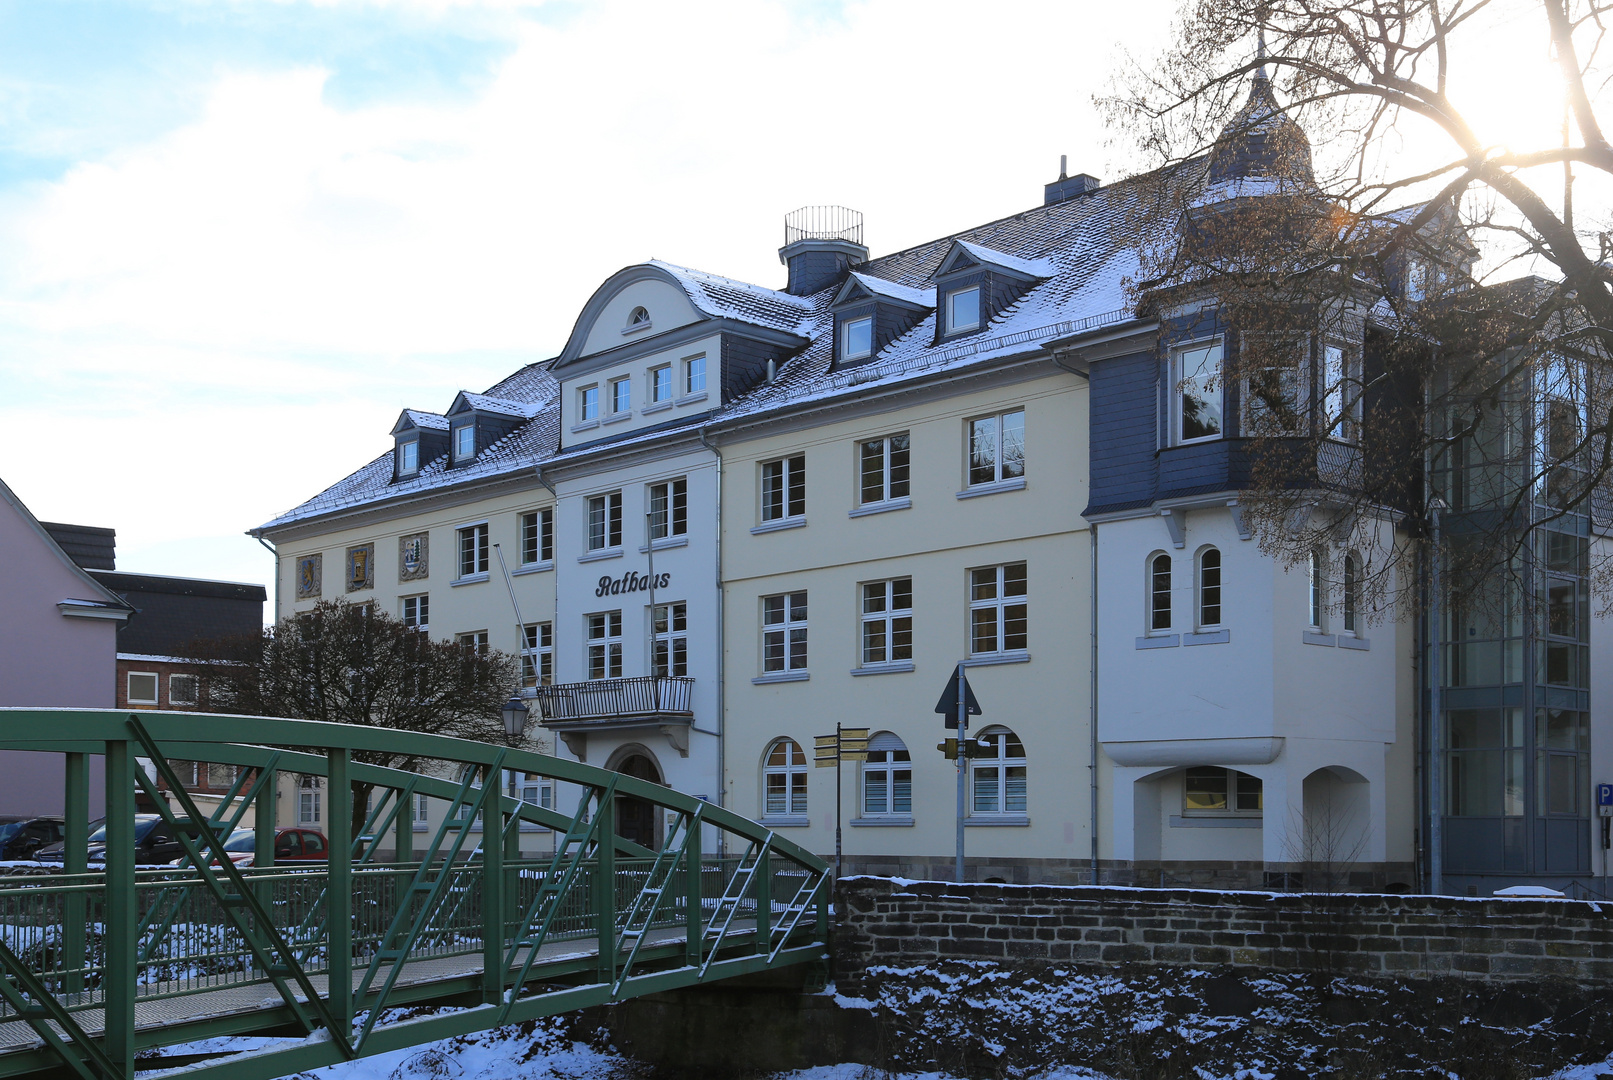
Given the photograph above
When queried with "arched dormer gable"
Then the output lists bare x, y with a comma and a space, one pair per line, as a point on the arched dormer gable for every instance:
418, 438
870, 313
652, 298
477, 421
975, 283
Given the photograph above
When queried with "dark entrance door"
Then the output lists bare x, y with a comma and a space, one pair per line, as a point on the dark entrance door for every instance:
635, 818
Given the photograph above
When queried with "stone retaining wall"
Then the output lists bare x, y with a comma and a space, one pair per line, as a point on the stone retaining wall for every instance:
893, 922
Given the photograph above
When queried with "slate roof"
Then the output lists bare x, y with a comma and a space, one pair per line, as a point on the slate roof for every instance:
428, 420
1084, 251
1036, 268
880, 287
526, 410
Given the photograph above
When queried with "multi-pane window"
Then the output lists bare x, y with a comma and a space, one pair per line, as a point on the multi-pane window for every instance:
669, 629
784, 632
537, 654
537, 536
536, 790
1484, 763
887, 777
1196, 392
588, 403
784, 780
885, 468
1209, 587
605, 521
1274, 389
408, 457
464, 442
422, 809
963, 309
1159, 592
669, 509
184, 689
1562, 762
887, 621
1341, 393
308, 801
857, 338
472, 550
661, 383
417, 612
694, 375
997, 618
1210, 789
473, 641
605, 645
997, 448
998, 778
220, 776
1316, 589
1565, 617
1351, 598
784, 488
621, 395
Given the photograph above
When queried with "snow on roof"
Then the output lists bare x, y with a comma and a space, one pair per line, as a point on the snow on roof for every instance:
906, 293
725, 298
429, 421
1038, 268
502, 406
1084, 252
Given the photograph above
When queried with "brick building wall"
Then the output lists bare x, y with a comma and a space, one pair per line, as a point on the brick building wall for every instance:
885, 921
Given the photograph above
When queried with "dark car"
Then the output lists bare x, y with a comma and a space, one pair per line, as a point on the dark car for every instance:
154, 842
20, 839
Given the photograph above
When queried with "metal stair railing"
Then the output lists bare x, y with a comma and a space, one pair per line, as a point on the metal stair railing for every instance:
36, 1005
569, 853
733, 895
804, 900
652, 895
398, 941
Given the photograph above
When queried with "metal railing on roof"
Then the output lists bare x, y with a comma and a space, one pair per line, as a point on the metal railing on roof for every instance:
823, 223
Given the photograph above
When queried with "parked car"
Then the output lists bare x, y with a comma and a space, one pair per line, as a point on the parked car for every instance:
290, 845
20, 838
154, 842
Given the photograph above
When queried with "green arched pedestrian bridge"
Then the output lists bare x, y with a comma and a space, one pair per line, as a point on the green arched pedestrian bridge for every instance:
453, 931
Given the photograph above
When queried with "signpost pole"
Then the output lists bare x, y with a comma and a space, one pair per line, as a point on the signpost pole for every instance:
838, 770
963, 731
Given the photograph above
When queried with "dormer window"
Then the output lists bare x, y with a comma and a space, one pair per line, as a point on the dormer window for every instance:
409, 457
857, 338
963, 309
464, 442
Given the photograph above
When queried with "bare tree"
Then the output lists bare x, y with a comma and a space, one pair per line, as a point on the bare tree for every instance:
351, 664
1386, 347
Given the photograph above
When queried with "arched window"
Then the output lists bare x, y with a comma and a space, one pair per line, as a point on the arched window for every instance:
784, 780
639, 317
1209, 587
1159, 592
1351, 599
1317, 584
308, 801
998, 779
887, 778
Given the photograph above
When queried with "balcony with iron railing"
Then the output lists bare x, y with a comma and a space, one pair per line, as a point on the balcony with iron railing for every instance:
658, 701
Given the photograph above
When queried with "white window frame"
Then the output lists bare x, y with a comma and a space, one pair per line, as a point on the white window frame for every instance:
1179, 354
875, 457
1152, 592
1001, 471
846, 352
999, 786
406, 466
669, 639
1233, 795
415, 612
791, 774
537, 537
1341, 392
1202, 586
784, 625
952, 324
694, 375
460, 453
1350, 595
659, 380
672, 519
784, 477
603, 632
605, 521
1316, 590
1249, 417
477, 640
887, 768
587, 403
621, 396
999, 605
308, 801
175, 699
537, 654
880, 616
156, 687
420, 813
479, 550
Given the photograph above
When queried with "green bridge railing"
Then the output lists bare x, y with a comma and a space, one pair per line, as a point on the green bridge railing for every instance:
101, 964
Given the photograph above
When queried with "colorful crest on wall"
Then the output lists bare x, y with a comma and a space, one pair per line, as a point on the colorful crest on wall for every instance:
309, 576
413, 552
361, 567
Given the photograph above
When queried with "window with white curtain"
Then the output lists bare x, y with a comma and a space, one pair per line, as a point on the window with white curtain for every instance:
784, 780
997, 780
887, 778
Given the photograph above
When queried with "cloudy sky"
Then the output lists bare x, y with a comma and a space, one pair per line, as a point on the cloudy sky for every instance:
237, 238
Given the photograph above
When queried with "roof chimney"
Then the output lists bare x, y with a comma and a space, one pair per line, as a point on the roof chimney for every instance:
821, 243
1067, 187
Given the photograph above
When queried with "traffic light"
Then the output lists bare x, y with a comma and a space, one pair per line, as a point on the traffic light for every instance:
971, 749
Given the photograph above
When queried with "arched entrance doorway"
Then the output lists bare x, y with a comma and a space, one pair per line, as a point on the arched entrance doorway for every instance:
635, 818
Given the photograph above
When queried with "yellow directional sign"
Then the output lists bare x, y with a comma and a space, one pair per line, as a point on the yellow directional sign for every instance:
850, 744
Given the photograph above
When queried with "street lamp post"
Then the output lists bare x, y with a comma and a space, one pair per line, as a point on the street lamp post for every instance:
514, 713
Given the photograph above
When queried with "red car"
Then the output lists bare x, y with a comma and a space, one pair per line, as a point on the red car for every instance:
291, 845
